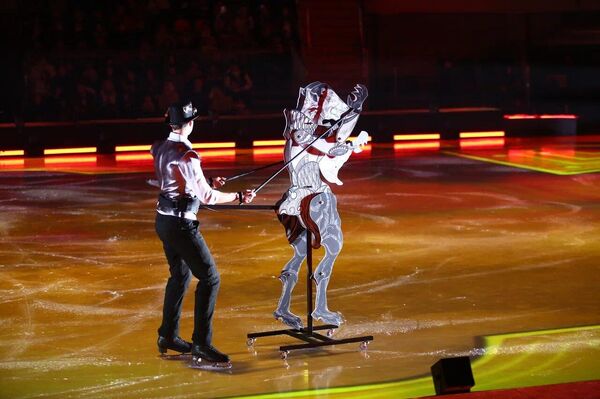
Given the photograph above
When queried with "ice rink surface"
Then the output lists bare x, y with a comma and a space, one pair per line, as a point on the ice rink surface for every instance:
445, 254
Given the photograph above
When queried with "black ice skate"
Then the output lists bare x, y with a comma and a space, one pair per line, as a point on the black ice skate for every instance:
175, 344
208, 357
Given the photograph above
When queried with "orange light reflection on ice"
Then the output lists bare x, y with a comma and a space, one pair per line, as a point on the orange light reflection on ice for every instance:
12, 162
481, 143
69, 160
417, 146
133, 157
560, 153
516, 155
218, 153
267, 151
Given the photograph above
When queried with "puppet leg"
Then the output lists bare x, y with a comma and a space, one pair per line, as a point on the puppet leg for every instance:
324, 213
289, 278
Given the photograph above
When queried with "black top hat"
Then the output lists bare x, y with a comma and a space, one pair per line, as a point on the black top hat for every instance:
180, 113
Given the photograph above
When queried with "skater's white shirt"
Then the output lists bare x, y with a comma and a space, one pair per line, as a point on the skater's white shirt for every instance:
191, 170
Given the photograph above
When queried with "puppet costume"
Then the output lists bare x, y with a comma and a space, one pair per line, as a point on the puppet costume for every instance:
316, 147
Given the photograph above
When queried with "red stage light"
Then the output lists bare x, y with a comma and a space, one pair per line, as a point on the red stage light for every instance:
496, 133
127, 148
417, 136
268, 143
80, 150
558, 116
520, 116
11, 153
543, 116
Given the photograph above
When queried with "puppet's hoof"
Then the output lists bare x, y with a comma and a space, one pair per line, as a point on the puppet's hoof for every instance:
328, 317
289, 319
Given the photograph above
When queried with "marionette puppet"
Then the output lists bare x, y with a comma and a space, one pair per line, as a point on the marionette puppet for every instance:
317, 145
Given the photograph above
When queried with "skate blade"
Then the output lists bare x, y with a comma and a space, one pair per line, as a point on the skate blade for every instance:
178, 356
211, 366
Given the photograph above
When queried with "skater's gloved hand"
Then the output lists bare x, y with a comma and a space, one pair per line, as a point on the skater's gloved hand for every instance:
247, 196
217, 182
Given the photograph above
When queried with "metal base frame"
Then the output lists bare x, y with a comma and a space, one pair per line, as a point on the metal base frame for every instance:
311, 338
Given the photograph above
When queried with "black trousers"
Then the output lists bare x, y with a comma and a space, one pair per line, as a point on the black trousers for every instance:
187, 255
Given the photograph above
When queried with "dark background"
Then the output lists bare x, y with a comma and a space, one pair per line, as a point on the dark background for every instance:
71, 61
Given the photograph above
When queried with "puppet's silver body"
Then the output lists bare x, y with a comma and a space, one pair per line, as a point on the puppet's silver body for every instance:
309, 201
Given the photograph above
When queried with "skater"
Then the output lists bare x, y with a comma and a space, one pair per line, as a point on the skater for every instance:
183, 188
